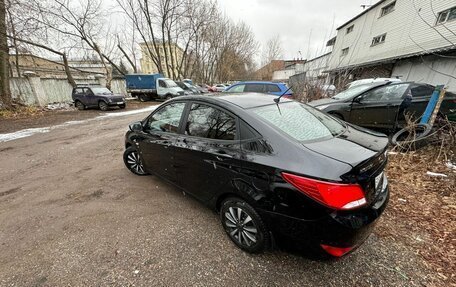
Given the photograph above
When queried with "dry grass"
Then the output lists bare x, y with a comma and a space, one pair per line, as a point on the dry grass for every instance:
422, 210
21, 112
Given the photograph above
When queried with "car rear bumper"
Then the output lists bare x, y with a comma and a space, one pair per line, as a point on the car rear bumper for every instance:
338, 229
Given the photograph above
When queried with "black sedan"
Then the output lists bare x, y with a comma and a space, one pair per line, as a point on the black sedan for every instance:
383, 105
269, 169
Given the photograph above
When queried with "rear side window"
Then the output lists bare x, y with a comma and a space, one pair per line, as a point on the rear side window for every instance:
167, 119
255, 88
419, 91
272, 88
299, 121
208, 122
237, 89
78, 91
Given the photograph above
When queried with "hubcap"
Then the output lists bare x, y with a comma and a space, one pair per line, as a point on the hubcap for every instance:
241, 226
135, 163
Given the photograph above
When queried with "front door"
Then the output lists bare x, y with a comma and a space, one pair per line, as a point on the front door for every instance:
378, 108
208, 153
157, 146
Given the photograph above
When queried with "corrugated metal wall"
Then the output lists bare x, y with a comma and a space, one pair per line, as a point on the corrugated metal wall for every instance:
56, 90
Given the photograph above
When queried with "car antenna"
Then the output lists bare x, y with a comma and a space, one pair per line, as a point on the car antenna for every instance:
277, 100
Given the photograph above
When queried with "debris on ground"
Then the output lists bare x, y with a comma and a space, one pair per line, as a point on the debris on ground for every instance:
60, 106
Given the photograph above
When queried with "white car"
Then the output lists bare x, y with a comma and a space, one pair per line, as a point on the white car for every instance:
220, 87
371, 80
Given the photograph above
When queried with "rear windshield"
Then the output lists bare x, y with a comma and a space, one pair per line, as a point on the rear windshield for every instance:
299, 121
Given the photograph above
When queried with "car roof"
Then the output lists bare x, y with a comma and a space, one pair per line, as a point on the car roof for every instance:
258, 82
241, 100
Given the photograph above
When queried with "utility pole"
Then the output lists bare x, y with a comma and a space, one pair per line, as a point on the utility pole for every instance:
5, 93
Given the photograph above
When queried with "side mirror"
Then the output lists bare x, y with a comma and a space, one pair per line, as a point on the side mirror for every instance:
358, 99
136, 127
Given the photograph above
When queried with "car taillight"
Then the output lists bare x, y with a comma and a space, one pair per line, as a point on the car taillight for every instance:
336, 251
333, 195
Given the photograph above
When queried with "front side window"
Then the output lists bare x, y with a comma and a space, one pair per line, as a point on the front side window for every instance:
237, 89
162, 84
167, 119
208, 122
386, 94
255, 88
299, 121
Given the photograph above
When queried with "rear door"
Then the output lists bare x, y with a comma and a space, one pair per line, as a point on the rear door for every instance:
273, 89
157, 146
208, 152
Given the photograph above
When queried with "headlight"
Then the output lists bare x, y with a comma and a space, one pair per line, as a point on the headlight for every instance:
322, 107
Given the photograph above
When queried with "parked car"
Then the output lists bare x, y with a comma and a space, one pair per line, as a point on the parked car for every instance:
370, 81
90, 96
276, 89
284, 169
382, 105
211, 89
202, 88
189, 89
219, 87
152, 86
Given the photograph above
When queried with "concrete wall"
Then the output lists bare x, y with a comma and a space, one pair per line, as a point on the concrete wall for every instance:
429, 69
43, 91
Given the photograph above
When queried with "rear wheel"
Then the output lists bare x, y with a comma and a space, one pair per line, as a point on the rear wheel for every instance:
243, 225
79, 105
133, 161
103, 106
143, 98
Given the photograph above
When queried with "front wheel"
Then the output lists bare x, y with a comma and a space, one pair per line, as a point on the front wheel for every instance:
244, 226
103, 106
133, 161
122, 106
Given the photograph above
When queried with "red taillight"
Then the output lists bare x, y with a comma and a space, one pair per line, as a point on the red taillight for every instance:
333, 195
336, 251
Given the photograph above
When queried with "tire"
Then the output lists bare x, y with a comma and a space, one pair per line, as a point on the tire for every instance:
103, 106
401, 138
79, 105
249, 235
143, 98
133, 161
122, 106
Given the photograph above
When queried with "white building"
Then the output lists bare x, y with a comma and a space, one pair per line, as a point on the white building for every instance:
413, 40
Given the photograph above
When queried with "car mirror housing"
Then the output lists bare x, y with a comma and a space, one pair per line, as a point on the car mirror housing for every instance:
136, 127
357, 100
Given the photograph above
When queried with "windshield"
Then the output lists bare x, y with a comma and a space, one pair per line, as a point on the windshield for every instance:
299, 121
100, 91
351, 92
170, 83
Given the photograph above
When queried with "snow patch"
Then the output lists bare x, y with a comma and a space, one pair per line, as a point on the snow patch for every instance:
430, 173
30, 132
23, 134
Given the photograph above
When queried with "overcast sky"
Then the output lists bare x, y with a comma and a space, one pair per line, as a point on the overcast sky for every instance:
295, 21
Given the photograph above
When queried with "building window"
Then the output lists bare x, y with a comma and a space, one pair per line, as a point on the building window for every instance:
446, 16
378, 40
388, 9
344, 52
350, 29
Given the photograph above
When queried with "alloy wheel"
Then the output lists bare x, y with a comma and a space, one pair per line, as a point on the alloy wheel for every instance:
240, 226
134, 163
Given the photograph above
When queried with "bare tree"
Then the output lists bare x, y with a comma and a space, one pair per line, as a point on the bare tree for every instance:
5, 93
